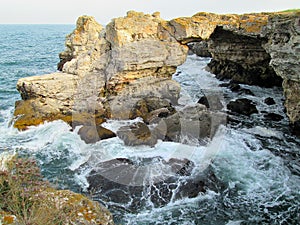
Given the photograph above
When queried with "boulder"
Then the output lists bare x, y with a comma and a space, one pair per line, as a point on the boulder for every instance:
137, 134
273, 116
193, 124
269, 101
93, 134
151, 109
242, 106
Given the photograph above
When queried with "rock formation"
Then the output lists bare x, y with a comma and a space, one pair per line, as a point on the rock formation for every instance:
283, 45
106, 71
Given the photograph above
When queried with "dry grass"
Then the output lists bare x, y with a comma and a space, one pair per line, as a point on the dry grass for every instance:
27, 199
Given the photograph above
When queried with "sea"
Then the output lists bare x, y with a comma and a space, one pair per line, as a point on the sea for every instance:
257, 160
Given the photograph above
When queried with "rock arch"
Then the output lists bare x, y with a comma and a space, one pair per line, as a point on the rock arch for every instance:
135, 56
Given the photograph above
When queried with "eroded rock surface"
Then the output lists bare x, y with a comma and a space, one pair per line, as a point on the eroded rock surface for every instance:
283, 45
106, 71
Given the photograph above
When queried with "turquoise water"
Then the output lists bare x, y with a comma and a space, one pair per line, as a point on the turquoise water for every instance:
257, 162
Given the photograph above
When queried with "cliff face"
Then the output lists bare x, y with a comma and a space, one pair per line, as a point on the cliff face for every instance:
106, 71
283, 45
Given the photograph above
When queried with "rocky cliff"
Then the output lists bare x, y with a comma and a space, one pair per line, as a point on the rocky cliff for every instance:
283, 46
107, 71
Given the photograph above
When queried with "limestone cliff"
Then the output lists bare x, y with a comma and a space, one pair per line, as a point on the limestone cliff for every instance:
283, 45
106, 71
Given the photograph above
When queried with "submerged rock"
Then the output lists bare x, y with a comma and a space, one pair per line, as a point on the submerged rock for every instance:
273, 117
242, 106
149, 181
269, 101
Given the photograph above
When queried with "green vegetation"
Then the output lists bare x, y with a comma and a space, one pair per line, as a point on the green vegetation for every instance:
291, 10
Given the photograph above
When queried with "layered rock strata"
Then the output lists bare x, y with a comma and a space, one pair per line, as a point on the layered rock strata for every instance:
106, 71
283, 45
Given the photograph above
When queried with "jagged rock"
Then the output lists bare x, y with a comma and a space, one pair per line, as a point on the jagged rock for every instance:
93, 134
112, 69
242, 106
269, 101
137, 134
84, 46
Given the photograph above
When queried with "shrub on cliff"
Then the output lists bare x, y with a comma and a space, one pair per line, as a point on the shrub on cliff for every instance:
26, 198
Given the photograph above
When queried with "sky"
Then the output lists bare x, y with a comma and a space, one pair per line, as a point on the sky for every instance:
67, 11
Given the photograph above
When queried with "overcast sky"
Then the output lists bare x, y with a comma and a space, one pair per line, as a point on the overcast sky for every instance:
67, 11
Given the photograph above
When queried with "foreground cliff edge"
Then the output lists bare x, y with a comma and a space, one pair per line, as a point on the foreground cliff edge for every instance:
28, 199
107, 72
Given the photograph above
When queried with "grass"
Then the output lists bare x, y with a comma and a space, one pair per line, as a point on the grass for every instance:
20, 188
291, 10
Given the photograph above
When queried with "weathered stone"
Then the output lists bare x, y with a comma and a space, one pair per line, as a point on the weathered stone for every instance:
135, 56
283, 44
202, 25
193, 123
58, 96
152, 108
241, 59
200, 48
84, 46
137, 134
242, 106
93, 134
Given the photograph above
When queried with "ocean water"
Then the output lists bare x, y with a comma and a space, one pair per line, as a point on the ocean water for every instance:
255, 161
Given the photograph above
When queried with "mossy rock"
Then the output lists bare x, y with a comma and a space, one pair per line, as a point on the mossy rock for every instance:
27, 113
